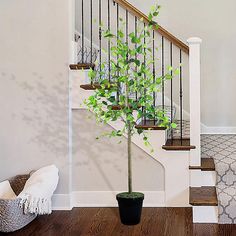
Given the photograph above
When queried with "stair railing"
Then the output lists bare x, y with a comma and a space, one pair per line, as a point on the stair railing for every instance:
173, 52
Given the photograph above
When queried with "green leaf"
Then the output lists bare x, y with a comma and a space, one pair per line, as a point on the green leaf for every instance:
153, 8
135, 40
108, 34
120, 34
150, 16
129, 75
131, 35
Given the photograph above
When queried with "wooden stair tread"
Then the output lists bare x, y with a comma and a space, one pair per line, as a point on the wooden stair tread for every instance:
91, 86
178, 145
81, 66
203, 196
118, 107
149, 125
207, 164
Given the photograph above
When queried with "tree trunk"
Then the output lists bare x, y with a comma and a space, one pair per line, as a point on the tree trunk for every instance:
128, 142
129, 159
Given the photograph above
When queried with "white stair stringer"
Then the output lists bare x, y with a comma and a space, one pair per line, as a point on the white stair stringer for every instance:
175, 163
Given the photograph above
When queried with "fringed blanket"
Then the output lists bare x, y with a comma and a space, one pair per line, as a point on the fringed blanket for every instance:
37, 193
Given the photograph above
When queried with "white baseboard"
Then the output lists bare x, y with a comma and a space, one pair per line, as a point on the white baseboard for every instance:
205, 214
102, 199
217, 130
108, 199
61, 202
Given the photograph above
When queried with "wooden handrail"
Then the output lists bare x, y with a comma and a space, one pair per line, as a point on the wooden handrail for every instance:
126, 5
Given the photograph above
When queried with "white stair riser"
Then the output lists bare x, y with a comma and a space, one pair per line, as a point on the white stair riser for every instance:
200, 178
195, 178
208, 178
205, 214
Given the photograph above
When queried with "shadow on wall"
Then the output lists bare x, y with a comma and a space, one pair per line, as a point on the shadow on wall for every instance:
34, 132
101, 165
45, 113
37, 114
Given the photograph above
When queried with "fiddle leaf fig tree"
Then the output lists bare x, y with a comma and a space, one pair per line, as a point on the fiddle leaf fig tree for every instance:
130, 85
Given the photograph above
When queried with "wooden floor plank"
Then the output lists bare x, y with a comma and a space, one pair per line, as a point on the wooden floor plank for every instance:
106, 222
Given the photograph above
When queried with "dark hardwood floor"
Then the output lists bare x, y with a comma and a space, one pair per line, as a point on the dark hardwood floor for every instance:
105, 222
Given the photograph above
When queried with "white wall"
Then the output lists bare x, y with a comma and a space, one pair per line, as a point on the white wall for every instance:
34, 60
34, 77
213, 21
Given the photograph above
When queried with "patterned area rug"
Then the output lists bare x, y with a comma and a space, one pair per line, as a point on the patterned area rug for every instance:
223, 149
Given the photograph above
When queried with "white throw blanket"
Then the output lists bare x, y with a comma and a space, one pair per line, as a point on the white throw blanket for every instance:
39, 188
6, 192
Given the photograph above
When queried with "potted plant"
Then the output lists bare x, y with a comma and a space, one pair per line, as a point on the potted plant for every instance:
127, 94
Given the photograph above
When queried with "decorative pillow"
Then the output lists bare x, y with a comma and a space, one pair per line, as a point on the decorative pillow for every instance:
6, 191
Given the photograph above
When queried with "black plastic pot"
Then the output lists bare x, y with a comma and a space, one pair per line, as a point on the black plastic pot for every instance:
130, 207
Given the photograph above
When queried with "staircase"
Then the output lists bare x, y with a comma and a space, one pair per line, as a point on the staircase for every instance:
189, 180
202, 193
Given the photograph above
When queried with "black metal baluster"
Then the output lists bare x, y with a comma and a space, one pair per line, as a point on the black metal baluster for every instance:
171, 88
181, 97
109, 42
127, 25
163, 72
136, 34
117, 35
100, 39
82, 22
127, 39
91, 30
144, 59
127, 32
154, 73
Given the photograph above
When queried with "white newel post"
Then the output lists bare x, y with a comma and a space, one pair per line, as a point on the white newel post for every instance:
194, 91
